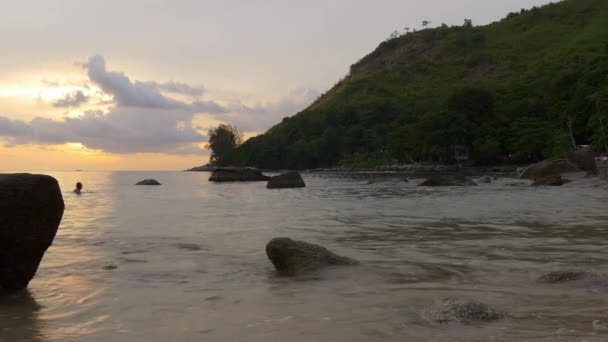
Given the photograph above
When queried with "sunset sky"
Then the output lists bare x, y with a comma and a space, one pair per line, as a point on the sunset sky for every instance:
135, 85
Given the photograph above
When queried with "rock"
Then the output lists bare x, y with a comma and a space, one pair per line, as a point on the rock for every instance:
203, 168
586, 279
285, 181
485, 179
291, 257
462, 312
237, 175
555, 180
148, 182
549, 167
447, 181
110, 267
584, 159
562, 277
31, 208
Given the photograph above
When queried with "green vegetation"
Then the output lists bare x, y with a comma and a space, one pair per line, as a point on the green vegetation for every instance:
223, 142
528, 87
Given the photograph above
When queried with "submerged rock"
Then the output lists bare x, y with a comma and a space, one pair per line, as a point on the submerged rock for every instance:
148, 182
462, 312
555, 180
286, 181
549, 167
447, 181
31, 208
243, 174
576, 278
291, 257
485, 179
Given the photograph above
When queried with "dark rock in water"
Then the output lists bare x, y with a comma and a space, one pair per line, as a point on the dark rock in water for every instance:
555, 180
485, 179
148, 182
447, 181
286, 181
576, 278
292, 257
562, 277
549, 167
237, 175
584, 158
462, 312
110, 267
189, 247
31, 208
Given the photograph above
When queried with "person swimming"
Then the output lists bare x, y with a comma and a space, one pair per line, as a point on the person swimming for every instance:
78, 189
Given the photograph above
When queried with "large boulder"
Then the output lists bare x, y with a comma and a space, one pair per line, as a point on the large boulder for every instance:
244, 174
554, 180
148, 182
291, 257
462, 312
584, 159
452, 180
31, 208
286, 181
549, 167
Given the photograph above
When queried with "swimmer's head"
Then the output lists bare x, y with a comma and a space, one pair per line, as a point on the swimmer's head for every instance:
79, 186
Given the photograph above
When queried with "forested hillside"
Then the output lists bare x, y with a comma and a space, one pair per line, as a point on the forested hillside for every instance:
528, 87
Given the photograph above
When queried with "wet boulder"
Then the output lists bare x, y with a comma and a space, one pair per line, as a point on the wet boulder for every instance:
549, 167
148, 182
452, 180
462, 312
31, 208
554, 180
584, 159
236, 174
286, 181
291, 257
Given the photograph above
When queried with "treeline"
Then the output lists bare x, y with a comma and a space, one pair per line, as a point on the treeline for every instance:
530, 87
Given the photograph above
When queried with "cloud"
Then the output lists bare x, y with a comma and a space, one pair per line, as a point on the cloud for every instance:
129, 93
74, 99
123, 131
261, 116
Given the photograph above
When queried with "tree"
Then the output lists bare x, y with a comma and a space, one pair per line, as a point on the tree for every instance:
425, 23
599, 120
223, 140
468, 23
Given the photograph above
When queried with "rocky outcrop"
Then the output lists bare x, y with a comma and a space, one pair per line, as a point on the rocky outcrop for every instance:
286, 181
229, 174
31, 208
554, 180
291, 257
584, 159
549, 167
203, 168
148, 182
447, 181
462, 312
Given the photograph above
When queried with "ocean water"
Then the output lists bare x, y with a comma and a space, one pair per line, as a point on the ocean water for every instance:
185, 261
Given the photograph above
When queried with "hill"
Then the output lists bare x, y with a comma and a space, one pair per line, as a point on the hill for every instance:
528, 87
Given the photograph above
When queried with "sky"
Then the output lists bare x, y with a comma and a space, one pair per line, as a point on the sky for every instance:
136, 84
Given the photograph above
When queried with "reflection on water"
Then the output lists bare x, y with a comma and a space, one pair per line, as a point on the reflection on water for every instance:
185, 261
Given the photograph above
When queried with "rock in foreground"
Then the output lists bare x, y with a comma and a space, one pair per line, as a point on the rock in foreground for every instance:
237, 175
286, 181
291, 257
448, 181
31, 208
462, 312
549, 167
148, 182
